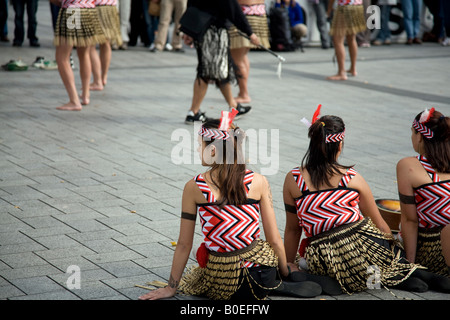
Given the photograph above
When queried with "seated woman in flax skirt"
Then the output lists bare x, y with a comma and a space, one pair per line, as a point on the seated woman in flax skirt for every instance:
345, 233
234, 263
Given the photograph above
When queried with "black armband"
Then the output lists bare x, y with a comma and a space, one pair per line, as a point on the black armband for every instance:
289, 208
188, 216
406, 199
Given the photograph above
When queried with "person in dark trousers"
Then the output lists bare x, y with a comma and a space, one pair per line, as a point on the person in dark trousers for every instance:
19, 30
3, 19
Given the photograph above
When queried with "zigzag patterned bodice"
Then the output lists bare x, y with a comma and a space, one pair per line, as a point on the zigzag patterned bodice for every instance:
234, 226
323, 210
432, 199
78, 4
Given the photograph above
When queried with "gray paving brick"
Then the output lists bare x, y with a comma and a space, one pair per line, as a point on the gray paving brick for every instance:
36, 285
112, 256
55, 295
28, 272
123, 269
22, 259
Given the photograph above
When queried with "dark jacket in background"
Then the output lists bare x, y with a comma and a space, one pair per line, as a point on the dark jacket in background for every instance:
226, 12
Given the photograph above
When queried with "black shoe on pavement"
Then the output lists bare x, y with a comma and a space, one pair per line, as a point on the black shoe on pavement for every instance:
35, 44
191, 117
242, 110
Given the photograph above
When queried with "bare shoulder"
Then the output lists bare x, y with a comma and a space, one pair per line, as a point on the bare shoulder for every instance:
259, 180
358, 182
407, 162
190, 185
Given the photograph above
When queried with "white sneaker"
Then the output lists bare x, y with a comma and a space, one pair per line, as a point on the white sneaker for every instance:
168, 47
50, 65
152, 47
39, 62
446, 42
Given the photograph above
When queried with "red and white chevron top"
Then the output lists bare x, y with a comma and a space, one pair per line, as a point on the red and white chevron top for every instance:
323, 210
234, 226
254, 10
78, 4
349, 2
432, 199
105, 2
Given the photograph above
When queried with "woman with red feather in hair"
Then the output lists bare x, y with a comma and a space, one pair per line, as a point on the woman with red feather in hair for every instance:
424, 191
234, 262
345, 234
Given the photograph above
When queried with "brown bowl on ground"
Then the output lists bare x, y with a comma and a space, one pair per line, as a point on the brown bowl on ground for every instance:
390, 211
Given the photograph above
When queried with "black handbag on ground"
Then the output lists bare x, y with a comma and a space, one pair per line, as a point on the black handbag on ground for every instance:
195, 22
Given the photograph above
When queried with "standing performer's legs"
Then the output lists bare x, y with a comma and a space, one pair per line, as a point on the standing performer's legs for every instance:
353, 52
97, 84
339, 49
241, 60
62, 57
85, 73
200, 89
105, 59
228, 95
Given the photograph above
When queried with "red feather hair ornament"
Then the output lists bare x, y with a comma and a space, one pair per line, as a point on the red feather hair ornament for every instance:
316, 114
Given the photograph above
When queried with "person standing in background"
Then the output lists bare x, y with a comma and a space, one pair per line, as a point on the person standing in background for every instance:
363, 37
169, 9
214, 61
255, 12
124, 7
3, 20
348, 20
19, 30
411, 18
320, 9
82, 34
384, 34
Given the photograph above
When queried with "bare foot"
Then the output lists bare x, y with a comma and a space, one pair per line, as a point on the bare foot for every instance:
240, 99
95, 87
338, 77
353, 73
84, 101
70, 106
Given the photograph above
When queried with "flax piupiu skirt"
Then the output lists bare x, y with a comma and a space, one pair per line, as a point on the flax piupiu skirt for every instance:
110, 23
260, 28
429, 251
348, 20
352, 253
78, 27
224, 274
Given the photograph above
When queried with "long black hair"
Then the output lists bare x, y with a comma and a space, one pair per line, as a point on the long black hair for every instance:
437, 149
230, 166
321, 158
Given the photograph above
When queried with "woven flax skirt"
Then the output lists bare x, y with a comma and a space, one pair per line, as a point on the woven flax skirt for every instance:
348, 20
219, 280
78, 27
260, 28
110, 23
429, 251
346, 253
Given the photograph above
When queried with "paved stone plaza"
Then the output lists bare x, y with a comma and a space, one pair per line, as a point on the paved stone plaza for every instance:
101, 189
